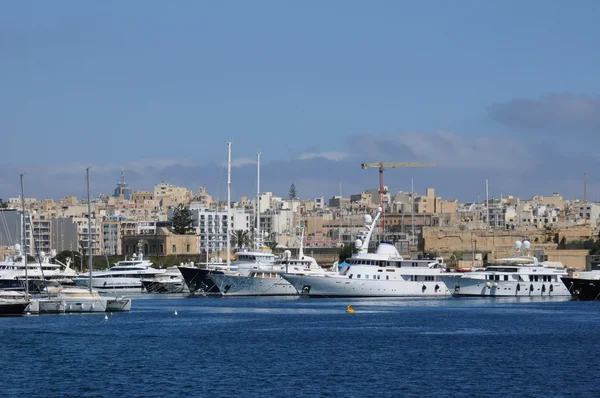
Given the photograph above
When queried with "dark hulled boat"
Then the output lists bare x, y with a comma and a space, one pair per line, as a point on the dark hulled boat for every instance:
198, 281
586, 287
10, 307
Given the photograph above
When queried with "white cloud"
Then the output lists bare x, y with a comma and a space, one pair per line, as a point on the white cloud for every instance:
332, 156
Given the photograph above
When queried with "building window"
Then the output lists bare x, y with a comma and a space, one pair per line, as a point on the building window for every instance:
187, 248
174, 249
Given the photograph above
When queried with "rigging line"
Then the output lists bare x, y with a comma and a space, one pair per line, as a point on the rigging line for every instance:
37, 251
5, 225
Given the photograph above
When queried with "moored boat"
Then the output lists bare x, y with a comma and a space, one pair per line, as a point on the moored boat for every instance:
585, 286
384, 273
517, 276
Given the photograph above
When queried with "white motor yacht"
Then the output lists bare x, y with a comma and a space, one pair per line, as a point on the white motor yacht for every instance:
170, 281
516, 276
123, 277
12, 270
384, 273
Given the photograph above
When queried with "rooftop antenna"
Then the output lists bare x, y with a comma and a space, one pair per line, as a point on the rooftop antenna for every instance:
122, 176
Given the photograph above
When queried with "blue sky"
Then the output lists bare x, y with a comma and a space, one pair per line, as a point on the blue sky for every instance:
504, 90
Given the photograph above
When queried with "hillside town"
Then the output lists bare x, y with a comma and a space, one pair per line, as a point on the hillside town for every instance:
465, 234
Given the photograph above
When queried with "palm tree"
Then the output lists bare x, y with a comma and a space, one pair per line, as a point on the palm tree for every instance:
241, 238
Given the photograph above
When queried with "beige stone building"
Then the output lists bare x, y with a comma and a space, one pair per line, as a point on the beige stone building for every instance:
162, 243
141, 196
170, 195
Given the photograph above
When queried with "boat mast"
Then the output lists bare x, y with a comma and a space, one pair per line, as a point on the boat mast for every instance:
257, 215
89, 227
412, 209
24, 239
228, 203
364, 248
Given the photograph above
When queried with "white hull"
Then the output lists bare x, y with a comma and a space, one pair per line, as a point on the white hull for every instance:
85, 304
51, 306
112, 285
342, 286
118, 304
235, 285
466, 287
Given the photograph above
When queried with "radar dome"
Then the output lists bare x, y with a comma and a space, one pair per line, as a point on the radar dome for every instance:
42, 254
17, 247
379, 209
287, 254
53, 253
368, 220
526, 244
358, 243
518, 245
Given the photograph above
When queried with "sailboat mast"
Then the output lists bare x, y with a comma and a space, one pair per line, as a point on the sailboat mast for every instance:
412, 208
24, 239
257, 236
228, 203
89, 226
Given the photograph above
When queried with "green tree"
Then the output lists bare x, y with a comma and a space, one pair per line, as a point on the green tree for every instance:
595, 250
3, 204
181, 220
346, 252
241, 238
293, 194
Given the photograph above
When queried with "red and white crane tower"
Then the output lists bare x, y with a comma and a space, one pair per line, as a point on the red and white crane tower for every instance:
391, 165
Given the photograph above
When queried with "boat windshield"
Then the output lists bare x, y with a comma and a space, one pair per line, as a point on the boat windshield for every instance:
502, 269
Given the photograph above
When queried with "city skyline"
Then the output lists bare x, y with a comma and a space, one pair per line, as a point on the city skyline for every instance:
503, 91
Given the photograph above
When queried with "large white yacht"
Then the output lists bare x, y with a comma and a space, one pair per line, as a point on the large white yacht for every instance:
384, 273
266, 280
516, 276
12, 270
123, 277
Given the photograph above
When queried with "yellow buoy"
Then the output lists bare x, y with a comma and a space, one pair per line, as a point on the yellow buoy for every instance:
350, 309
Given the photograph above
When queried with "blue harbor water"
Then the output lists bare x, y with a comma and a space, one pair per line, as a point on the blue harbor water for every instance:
307, 347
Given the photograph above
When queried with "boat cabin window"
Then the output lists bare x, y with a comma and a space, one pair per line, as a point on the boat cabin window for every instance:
505, 277
358, 276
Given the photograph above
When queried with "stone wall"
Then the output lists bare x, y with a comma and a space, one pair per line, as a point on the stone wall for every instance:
575, 259
490, 241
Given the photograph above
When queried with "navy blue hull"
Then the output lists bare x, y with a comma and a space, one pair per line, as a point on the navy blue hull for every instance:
198, 281
7, 309
583, 289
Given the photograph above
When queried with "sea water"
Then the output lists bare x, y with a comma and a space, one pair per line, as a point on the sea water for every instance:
279, 347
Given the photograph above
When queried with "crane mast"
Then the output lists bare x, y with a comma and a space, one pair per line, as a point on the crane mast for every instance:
390, 165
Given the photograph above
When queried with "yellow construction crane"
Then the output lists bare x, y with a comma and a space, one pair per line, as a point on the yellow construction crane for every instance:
391, 165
